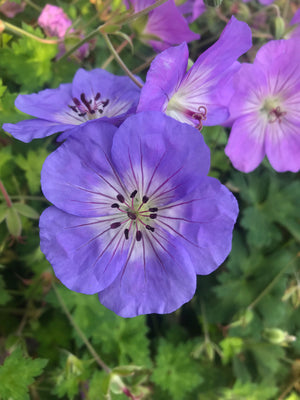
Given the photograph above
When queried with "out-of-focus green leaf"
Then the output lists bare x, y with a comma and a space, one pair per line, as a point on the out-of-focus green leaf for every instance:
26, 210
13, 222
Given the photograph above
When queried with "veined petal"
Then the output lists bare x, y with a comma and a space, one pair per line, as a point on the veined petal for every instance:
159, 281
79, 243
283, 145
80, 171
163, 78
245, 146
34, 129
153, 160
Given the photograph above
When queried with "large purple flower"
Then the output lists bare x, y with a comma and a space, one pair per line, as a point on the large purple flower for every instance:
265, 109
165, 25
92, 95
195, 97
135, 216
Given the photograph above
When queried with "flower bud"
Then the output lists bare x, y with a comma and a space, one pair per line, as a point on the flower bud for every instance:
277, 27
277, 336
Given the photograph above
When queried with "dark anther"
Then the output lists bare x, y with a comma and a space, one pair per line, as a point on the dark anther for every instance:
126, 233
131, 215
153, 216
73, 108
85, 102
105, 102
76, 101
150, 228
133, 194
100, 111
153, 209
82, 114
120, 198
97, 97
115, 225
115, 205
145, 199
138, 235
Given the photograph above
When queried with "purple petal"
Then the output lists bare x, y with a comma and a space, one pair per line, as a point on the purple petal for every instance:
245, 146
158, 283
79, 242
162, 156
78, 171
283, 145
296, 18
169, 25
34, 129
49, 104
163, 78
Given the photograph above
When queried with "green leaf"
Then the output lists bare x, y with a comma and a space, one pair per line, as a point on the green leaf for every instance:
176, 372
17, 373
13, 222
26, 210
231, 347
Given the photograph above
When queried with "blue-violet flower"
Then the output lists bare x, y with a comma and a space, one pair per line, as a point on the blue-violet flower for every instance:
135, 216
92, 95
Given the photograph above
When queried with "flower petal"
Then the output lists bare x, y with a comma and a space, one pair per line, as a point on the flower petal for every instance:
160, 282
163, 78
245, 146
79, 171
78, 260
30, 129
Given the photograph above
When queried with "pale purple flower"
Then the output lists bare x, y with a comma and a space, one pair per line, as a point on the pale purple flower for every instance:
194, 97
10, 8
55, 22
135, 216
265, 109
92, 95
165, 25
192, 9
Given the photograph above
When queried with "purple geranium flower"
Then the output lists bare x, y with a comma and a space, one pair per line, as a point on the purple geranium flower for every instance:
195, 96
165, 25
265, 109
10, 8
135, 216
192, 9
92, 95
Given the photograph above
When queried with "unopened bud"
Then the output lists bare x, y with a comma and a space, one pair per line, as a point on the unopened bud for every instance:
213, 3
277, 27
277, 336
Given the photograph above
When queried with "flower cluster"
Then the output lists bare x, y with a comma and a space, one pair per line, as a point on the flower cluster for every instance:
135, 217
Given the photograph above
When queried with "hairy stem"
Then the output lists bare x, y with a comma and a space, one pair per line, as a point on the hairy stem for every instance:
5, 195
21, 32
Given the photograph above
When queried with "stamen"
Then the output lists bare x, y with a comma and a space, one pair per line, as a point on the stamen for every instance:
276, 115
153, 209
126, 233
131, 215
115, 225
133, 194
86, 103
76, 101
201, 115
120, 197
115, 205
150, 228
145, 199
97, 97
105, 102
153, 216
138, 235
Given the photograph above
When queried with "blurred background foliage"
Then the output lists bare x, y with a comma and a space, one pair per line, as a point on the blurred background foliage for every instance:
238, 339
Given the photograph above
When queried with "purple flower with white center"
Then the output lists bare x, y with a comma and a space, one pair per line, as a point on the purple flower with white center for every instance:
92, 95
10, 8
135, 216
192, 9
194, 97
165, 25
265, 109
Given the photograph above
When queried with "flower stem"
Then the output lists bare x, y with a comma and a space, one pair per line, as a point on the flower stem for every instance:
33, 5
111, 57
120, 61
21, 32
5, 195
80, 333
272, 283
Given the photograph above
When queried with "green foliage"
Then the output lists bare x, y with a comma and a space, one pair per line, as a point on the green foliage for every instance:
17, 374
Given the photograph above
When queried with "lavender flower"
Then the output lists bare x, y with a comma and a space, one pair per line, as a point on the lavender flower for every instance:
56, 23
195, 97
265, 109
10, 8
165, 25
135, 217
92, 95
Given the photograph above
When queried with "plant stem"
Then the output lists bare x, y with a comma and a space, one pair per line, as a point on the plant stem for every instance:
21, 32
272, 283
80, 333
33, 5
111, 57
5, 195
120, 61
